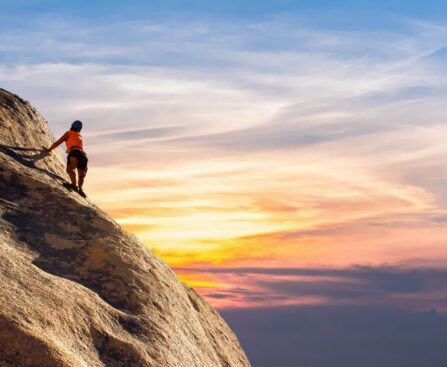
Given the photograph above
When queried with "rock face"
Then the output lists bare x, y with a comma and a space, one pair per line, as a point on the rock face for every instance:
78, 291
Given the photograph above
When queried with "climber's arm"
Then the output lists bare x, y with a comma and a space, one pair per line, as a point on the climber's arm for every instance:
57, 142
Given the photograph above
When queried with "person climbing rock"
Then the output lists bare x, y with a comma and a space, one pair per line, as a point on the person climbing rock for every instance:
76, 159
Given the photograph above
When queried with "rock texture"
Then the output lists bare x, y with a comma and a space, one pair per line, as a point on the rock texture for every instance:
76, 290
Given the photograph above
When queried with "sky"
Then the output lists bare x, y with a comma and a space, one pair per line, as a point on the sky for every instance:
286, 158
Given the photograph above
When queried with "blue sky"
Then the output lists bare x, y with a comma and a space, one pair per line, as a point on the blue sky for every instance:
231, 7
345, 15
302, 141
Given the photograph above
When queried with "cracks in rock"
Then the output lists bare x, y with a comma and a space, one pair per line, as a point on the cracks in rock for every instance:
194, 302
115, 352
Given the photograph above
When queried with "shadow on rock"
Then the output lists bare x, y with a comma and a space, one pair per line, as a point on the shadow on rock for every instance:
79, 246
29, 160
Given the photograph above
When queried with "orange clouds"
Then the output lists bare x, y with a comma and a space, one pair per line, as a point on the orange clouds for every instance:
304, 208
308, 207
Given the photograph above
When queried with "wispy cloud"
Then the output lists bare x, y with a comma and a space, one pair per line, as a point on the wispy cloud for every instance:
391, 286
270, 140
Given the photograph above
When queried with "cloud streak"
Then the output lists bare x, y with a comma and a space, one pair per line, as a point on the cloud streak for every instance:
270, 140
409, 288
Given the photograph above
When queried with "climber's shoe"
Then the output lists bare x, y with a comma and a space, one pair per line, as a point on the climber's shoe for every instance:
81, 192
70, 186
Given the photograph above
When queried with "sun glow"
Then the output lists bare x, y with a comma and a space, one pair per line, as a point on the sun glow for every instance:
311, 208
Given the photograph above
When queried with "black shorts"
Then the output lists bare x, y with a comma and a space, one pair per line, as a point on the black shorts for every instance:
80, 156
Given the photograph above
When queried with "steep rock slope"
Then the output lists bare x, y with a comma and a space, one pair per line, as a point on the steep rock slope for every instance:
76, 290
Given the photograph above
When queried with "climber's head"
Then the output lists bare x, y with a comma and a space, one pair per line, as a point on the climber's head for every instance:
76, 126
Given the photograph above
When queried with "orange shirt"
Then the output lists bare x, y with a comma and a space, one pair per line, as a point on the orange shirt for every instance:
74, 140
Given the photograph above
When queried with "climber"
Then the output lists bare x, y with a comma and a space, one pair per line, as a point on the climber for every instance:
76, 159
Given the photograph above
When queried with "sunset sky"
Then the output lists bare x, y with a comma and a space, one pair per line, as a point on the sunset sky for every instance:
279, 155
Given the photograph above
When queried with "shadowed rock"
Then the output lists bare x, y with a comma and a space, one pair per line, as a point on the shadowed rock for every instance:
76, 289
